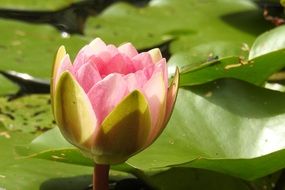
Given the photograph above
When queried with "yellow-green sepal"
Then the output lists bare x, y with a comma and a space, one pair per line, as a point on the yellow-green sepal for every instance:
61, 52
172, 95
124, 131
73, 112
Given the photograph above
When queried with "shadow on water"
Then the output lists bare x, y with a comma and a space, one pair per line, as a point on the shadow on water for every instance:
70, 183
164, 48
27, 84
84, 183
251, 22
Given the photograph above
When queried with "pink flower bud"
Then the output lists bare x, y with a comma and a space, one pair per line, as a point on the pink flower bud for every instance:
111, 102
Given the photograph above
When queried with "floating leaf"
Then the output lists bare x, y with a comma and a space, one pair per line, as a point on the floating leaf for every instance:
34, 174
249, 118
203, 53
30, 48
184, 21
255, 71
32, 5
270, 41
28, 114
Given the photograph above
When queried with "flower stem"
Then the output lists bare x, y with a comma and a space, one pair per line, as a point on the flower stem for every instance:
101, 177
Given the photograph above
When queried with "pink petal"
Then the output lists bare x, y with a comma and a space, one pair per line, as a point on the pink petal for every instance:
97, 45
117, 64
87, 76
155, 55
162, 67
148, 71
141, 61
128, 49
106, 94
155, 93
135, 81
112, 50
155, 68
107, 53
104, 56
97, 62
170, 101
83, 55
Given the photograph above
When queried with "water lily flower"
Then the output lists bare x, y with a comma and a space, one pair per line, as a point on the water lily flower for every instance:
112, 102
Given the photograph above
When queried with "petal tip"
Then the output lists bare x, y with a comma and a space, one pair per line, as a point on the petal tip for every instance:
128, 49
155, 55
61, 52
97, 43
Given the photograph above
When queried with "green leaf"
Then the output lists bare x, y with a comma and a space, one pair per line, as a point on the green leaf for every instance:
52, 146
248, 118
30, 48
270, 41
209, 52
57, 149
15, 172
7, 87
184, 21
255, 71
218, 48
34, 5
28, 114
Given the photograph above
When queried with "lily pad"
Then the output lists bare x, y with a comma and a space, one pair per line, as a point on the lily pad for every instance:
184, 20
34, 5
27, 114
249, 118
30, 48
36, 174
52, 146
196, 56
270, 41
255, 71
7, 87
